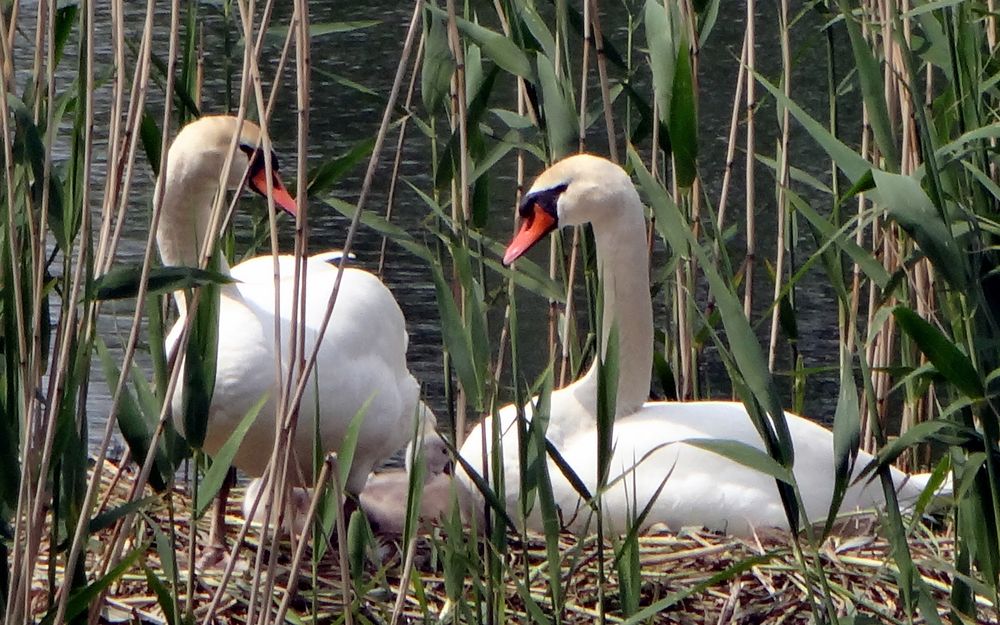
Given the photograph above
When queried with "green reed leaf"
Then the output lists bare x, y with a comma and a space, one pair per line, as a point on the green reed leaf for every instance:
122, 282
746, 455
536, 476
497, 47
944, 354
324, 28
349, 444
152, 141
910, 207
743, 342
827, 232
135, 427
849, 161
457, 340
359, 537
872, 88
163, 596
683, 120
536, 25
629, 574
66, 17
81, 599
561, 124
733, 572
661, 39
846, 438
322, 178
438, 64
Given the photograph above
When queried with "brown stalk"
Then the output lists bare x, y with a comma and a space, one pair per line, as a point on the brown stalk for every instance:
460, 200
751, 227
783, 182
397, 161
137, 101
602, 72
19, 597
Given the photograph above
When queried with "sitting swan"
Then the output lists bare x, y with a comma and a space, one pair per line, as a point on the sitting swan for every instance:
361, 360
700, 488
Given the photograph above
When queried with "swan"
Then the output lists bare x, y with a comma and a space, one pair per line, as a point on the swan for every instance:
700, 488
361, 360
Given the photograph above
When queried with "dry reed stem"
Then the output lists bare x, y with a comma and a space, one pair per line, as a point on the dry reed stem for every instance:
751, 151
782, 237
694, 194
18, 597
398, 159
602, 73
461, 212
136, 104
734, 121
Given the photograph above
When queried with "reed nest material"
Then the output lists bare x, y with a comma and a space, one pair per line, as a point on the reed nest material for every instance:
769, 585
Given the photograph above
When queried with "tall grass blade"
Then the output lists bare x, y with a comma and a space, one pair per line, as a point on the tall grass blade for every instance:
438, 66
946, 357
81, 600
136, 425
123, 281
846, 438
872, 88
910, 207
683, 120
200, 358
561, 124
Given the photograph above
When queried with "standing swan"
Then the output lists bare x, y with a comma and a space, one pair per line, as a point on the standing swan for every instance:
361, 362
700, 488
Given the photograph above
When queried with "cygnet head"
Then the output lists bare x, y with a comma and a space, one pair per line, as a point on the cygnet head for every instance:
431, 446
198, 154
579, 189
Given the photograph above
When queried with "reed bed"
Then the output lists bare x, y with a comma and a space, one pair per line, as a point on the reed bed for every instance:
891, 208
691, 576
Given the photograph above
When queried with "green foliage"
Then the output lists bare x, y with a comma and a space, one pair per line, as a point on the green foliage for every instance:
123, 281
901, 229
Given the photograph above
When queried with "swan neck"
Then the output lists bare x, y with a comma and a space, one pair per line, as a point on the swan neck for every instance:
185, 214
623, 263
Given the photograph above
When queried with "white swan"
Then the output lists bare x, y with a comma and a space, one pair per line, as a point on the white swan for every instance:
362, 355
701, 488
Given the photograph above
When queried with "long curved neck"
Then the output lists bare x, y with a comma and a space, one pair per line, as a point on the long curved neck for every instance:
623, 262
185, 214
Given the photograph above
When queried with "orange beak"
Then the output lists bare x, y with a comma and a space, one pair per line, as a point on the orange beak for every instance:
533, 228
284, 199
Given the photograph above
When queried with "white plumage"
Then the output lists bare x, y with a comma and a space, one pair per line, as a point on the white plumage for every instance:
362, 355
700, 488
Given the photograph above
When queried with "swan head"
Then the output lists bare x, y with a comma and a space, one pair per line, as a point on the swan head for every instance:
579, 189
199, 151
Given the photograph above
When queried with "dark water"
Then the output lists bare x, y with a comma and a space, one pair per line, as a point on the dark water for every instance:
341, 117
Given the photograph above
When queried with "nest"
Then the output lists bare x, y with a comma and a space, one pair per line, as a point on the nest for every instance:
688, 577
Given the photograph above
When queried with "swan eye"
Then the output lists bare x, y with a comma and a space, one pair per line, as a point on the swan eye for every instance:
546, 199
256, 157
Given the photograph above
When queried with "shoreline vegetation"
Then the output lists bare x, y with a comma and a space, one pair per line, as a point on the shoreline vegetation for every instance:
897, 218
